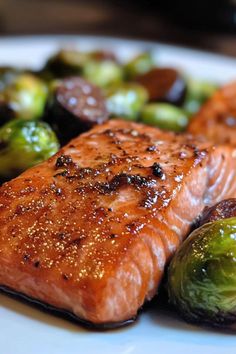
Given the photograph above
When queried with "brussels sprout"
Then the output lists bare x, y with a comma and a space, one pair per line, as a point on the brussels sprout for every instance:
24, 144
139, 65
103, 73
202, 274
164, 116
24, 97
65, 63
197, 93
7, 75
126, 100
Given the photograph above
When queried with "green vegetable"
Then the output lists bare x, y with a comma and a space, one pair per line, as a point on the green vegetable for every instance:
164, 116
7, 75
197, 93
64, 63
24, 144
24, 97
126, 100
202, 274
103, 73
139, 65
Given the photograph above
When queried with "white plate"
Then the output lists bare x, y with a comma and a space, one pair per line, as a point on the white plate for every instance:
24, 329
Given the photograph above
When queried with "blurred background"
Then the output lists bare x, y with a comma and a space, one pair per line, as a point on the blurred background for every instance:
204, 24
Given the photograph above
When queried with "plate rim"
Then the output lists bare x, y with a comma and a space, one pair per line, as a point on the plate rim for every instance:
118, 40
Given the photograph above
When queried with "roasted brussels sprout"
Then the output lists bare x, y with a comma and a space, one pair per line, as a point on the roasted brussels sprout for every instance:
7, 75
164, 116
24, 97
24, 144
102, 73
164, 85
197, 93
65, 63
74, 106
70, 62
126, 100
139, 65
202, 275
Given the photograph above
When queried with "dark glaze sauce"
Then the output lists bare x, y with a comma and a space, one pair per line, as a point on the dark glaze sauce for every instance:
124, 179
146, 179
63, 161
141, 183
158, 171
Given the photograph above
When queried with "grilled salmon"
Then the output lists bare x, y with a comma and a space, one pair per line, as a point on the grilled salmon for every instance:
217, 117
90, 230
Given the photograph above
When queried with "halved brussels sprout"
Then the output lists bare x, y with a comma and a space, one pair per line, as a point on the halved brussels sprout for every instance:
126, 100
202, 274
198, 91
65, 63
7, 75
70, 62
139, 65
164, 116
103, 73
24, 97
24, 144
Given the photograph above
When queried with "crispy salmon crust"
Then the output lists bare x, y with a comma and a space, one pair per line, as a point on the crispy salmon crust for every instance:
217, 117
91, 229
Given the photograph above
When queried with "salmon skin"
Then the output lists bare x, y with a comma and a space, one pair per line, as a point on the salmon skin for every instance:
90, 230
217, 117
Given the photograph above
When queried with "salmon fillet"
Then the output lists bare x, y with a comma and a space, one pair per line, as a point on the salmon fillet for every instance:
90, 230
217, 117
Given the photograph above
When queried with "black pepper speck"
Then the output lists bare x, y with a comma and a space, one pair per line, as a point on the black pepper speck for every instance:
157, 170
